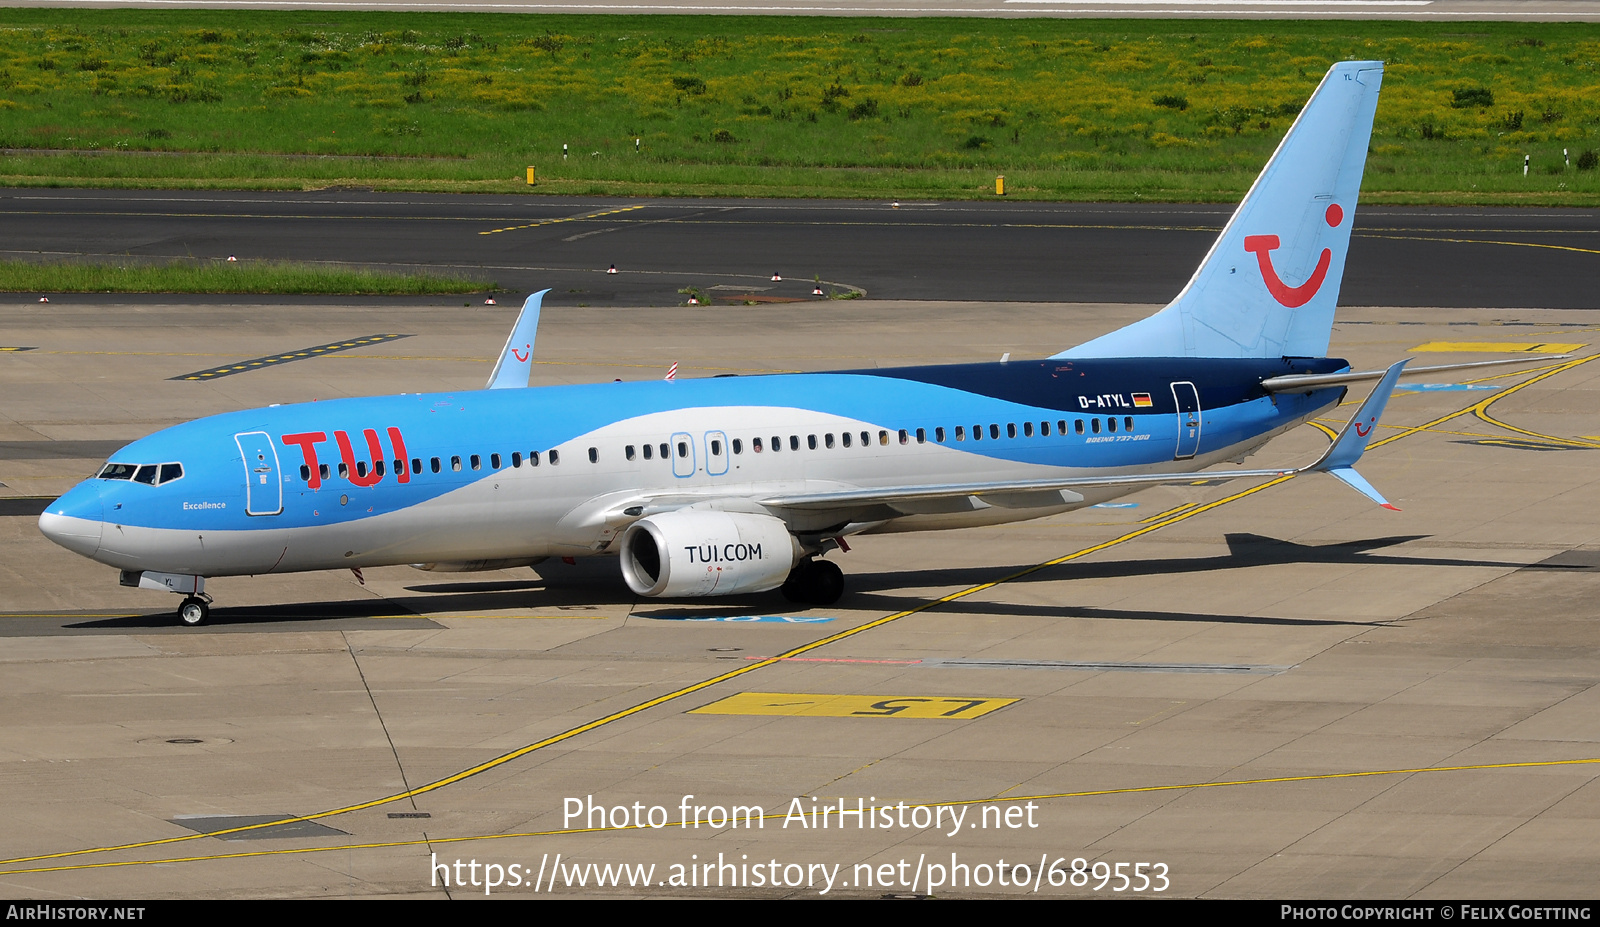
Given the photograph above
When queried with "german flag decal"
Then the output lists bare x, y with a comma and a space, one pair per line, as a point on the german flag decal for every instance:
1142, 401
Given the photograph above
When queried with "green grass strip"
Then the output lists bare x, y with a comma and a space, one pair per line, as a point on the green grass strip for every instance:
1175, 110
261, 277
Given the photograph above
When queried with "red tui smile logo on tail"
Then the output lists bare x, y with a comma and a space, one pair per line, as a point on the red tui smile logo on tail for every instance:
1292, 297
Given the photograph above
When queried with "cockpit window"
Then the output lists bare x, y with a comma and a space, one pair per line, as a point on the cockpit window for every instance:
148, 474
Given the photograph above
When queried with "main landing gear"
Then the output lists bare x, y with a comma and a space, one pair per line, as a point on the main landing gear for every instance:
814, 582
195, 610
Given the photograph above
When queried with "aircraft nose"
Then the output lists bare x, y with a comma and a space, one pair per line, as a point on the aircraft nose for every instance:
75, 520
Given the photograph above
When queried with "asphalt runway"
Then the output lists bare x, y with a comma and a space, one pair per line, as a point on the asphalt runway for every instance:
1011, 251
1420, 10
1238, 690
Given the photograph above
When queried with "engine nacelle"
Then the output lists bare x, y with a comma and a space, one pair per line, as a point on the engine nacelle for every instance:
700, 552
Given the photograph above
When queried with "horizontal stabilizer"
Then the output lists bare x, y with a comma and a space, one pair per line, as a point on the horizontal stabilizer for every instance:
515, 365
1295, 383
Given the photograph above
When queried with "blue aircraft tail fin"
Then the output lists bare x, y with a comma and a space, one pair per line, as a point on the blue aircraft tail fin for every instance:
515, 365
1270, 283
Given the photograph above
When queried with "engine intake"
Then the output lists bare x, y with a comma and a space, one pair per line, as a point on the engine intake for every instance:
701, 552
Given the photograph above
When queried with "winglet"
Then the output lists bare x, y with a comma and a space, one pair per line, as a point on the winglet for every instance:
515, 365
1340, 458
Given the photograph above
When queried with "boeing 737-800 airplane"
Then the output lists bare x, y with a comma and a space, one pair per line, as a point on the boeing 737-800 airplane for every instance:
742, 484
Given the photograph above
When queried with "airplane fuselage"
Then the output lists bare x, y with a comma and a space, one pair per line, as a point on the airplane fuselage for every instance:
504, 477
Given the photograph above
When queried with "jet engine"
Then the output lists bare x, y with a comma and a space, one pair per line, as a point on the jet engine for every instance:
701, 552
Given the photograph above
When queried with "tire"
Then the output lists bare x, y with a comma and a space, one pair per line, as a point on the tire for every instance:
826, 582
814, 582
794, 588
193, 612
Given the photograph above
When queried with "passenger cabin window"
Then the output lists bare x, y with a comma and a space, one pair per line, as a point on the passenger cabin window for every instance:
1011, 430
1077, 425
433, 464
594, 455
794, 442
344, 471
494, 461
844, 439
827, 440
738, 446
1111, 424
938, 434
1027, 430
665, 454
305, 473
683, 449
477, 462
905, 437
994, 432
1127, 423
977, 432
883, 438
323, 470
1094, 425
755, 445
811, 442
516, 459
628, 452
716, 447
416, 465
1044, 429
922, 436
866, 439
555, 457
455, 463
533, 458
961, 433
649, 452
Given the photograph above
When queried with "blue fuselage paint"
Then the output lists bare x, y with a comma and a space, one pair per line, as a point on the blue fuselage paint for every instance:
530, 473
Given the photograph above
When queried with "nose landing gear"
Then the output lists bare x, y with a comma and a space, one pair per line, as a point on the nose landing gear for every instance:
195, 610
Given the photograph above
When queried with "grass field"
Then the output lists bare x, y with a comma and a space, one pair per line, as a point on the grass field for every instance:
766, 106
221, 277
